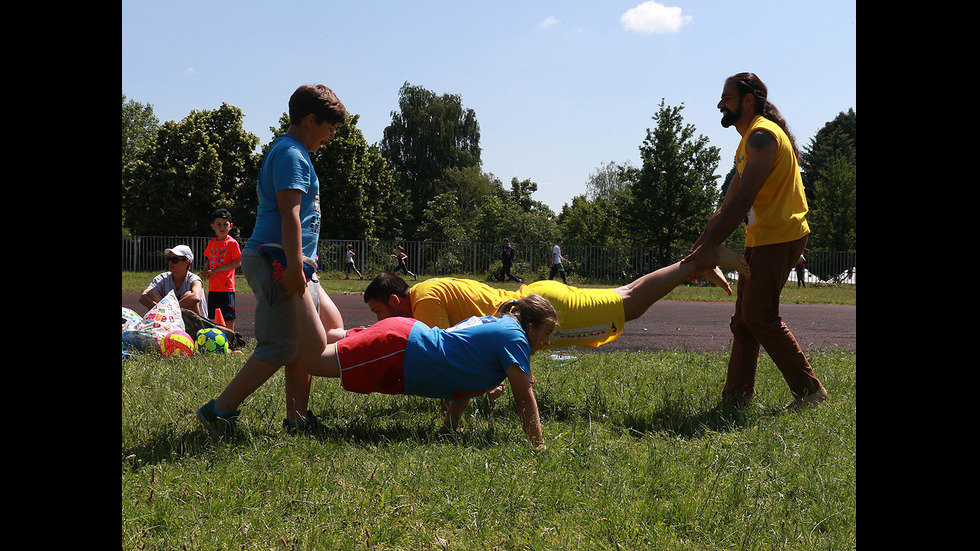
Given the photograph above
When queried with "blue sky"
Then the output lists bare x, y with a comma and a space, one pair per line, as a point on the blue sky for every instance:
559, 87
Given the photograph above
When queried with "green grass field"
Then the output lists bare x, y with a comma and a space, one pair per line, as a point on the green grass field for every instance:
639, 457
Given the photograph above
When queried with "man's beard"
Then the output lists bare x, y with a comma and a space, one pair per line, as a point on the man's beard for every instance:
728, 118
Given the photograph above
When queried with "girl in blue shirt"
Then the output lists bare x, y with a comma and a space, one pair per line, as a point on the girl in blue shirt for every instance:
404, 356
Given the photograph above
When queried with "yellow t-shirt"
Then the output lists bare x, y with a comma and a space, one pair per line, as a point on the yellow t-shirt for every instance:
778, 214
586, 317
444, 301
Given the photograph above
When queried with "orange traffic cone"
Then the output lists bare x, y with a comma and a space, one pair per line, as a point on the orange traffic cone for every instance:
218, 318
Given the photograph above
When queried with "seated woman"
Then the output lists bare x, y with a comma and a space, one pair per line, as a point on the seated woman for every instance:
401, 355
188, 287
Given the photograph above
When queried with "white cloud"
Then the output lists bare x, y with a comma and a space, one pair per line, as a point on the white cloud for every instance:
549, 21
651, 17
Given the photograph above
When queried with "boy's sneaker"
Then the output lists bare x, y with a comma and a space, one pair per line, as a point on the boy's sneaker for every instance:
217, 425
311, 423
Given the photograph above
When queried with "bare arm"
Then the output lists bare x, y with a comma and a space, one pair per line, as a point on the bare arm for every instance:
527, 406
149, 297
760, 153
192, 298
233, 265
293, 278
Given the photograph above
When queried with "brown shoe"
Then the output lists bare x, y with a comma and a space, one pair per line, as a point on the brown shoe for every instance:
808, 400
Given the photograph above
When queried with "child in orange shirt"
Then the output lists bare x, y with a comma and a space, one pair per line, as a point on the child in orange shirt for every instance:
221, 257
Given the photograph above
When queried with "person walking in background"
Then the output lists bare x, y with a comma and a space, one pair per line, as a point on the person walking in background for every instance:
800, 268
221, 257
278, 262
768, 189
557, 262
507, 259
401, 257
349, 264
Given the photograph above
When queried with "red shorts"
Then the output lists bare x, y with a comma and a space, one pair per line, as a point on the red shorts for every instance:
371, 358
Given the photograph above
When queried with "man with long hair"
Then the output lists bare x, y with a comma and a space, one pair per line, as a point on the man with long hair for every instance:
767, 189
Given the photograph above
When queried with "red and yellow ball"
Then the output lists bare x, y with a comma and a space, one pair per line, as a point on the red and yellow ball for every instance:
177, 343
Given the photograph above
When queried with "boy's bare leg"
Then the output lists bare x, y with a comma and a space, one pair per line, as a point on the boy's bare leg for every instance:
731, 260
718, 278
250, 377
297, 382
640, 294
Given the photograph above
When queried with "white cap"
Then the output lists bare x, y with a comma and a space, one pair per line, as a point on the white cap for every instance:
180, 250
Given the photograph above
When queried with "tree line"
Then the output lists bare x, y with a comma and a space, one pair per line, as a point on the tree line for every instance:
424, 181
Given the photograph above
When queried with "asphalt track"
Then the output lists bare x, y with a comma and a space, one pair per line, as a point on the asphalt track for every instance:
667, 325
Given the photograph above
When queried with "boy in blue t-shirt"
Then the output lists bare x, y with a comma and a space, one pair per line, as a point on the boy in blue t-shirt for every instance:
276, 258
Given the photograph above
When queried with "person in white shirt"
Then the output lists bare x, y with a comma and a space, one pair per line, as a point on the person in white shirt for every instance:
557, 261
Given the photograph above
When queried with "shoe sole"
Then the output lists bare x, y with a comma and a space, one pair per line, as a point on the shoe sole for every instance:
214, 431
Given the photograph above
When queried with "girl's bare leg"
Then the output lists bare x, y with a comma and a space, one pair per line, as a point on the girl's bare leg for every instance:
317, 355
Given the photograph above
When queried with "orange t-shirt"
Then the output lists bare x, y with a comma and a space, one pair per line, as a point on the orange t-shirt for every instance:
220, 253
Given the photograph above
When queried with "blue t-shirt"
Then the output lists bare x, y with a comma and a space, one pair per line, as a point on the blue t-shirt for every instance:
466, 360
287, 165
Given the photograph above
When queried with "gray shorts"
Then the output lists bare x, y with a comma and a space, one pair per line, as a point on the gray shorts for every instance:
275, 322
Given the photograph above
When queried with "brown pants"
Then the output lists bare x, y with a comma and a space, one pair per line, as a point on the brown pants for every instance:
756, 323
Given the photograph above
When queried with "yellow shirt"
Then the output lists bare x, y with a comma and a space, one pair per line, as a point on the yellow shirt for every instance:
586, 317
778, 214
444, 301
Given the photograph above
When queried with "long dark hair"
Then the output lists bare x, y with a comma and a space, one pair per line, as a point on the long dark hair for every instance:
750, 83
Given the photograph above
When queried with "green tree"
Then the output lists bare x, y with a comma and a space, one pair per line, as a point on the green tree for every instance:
675, 192
514, 215
833, 221
193, 166
451, 215
358, 197
442, 220
837, 137
139, 126
610, 179
590, 222
428, 135
594, 217
829, 165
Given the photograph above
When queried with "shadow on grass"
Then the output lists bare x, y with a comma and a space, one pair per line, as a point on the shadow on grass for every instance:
693, 424
373, 426
681, 418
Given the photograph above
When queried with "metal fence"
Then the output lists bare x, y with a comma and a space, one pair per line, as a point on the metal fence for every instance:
612, 265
